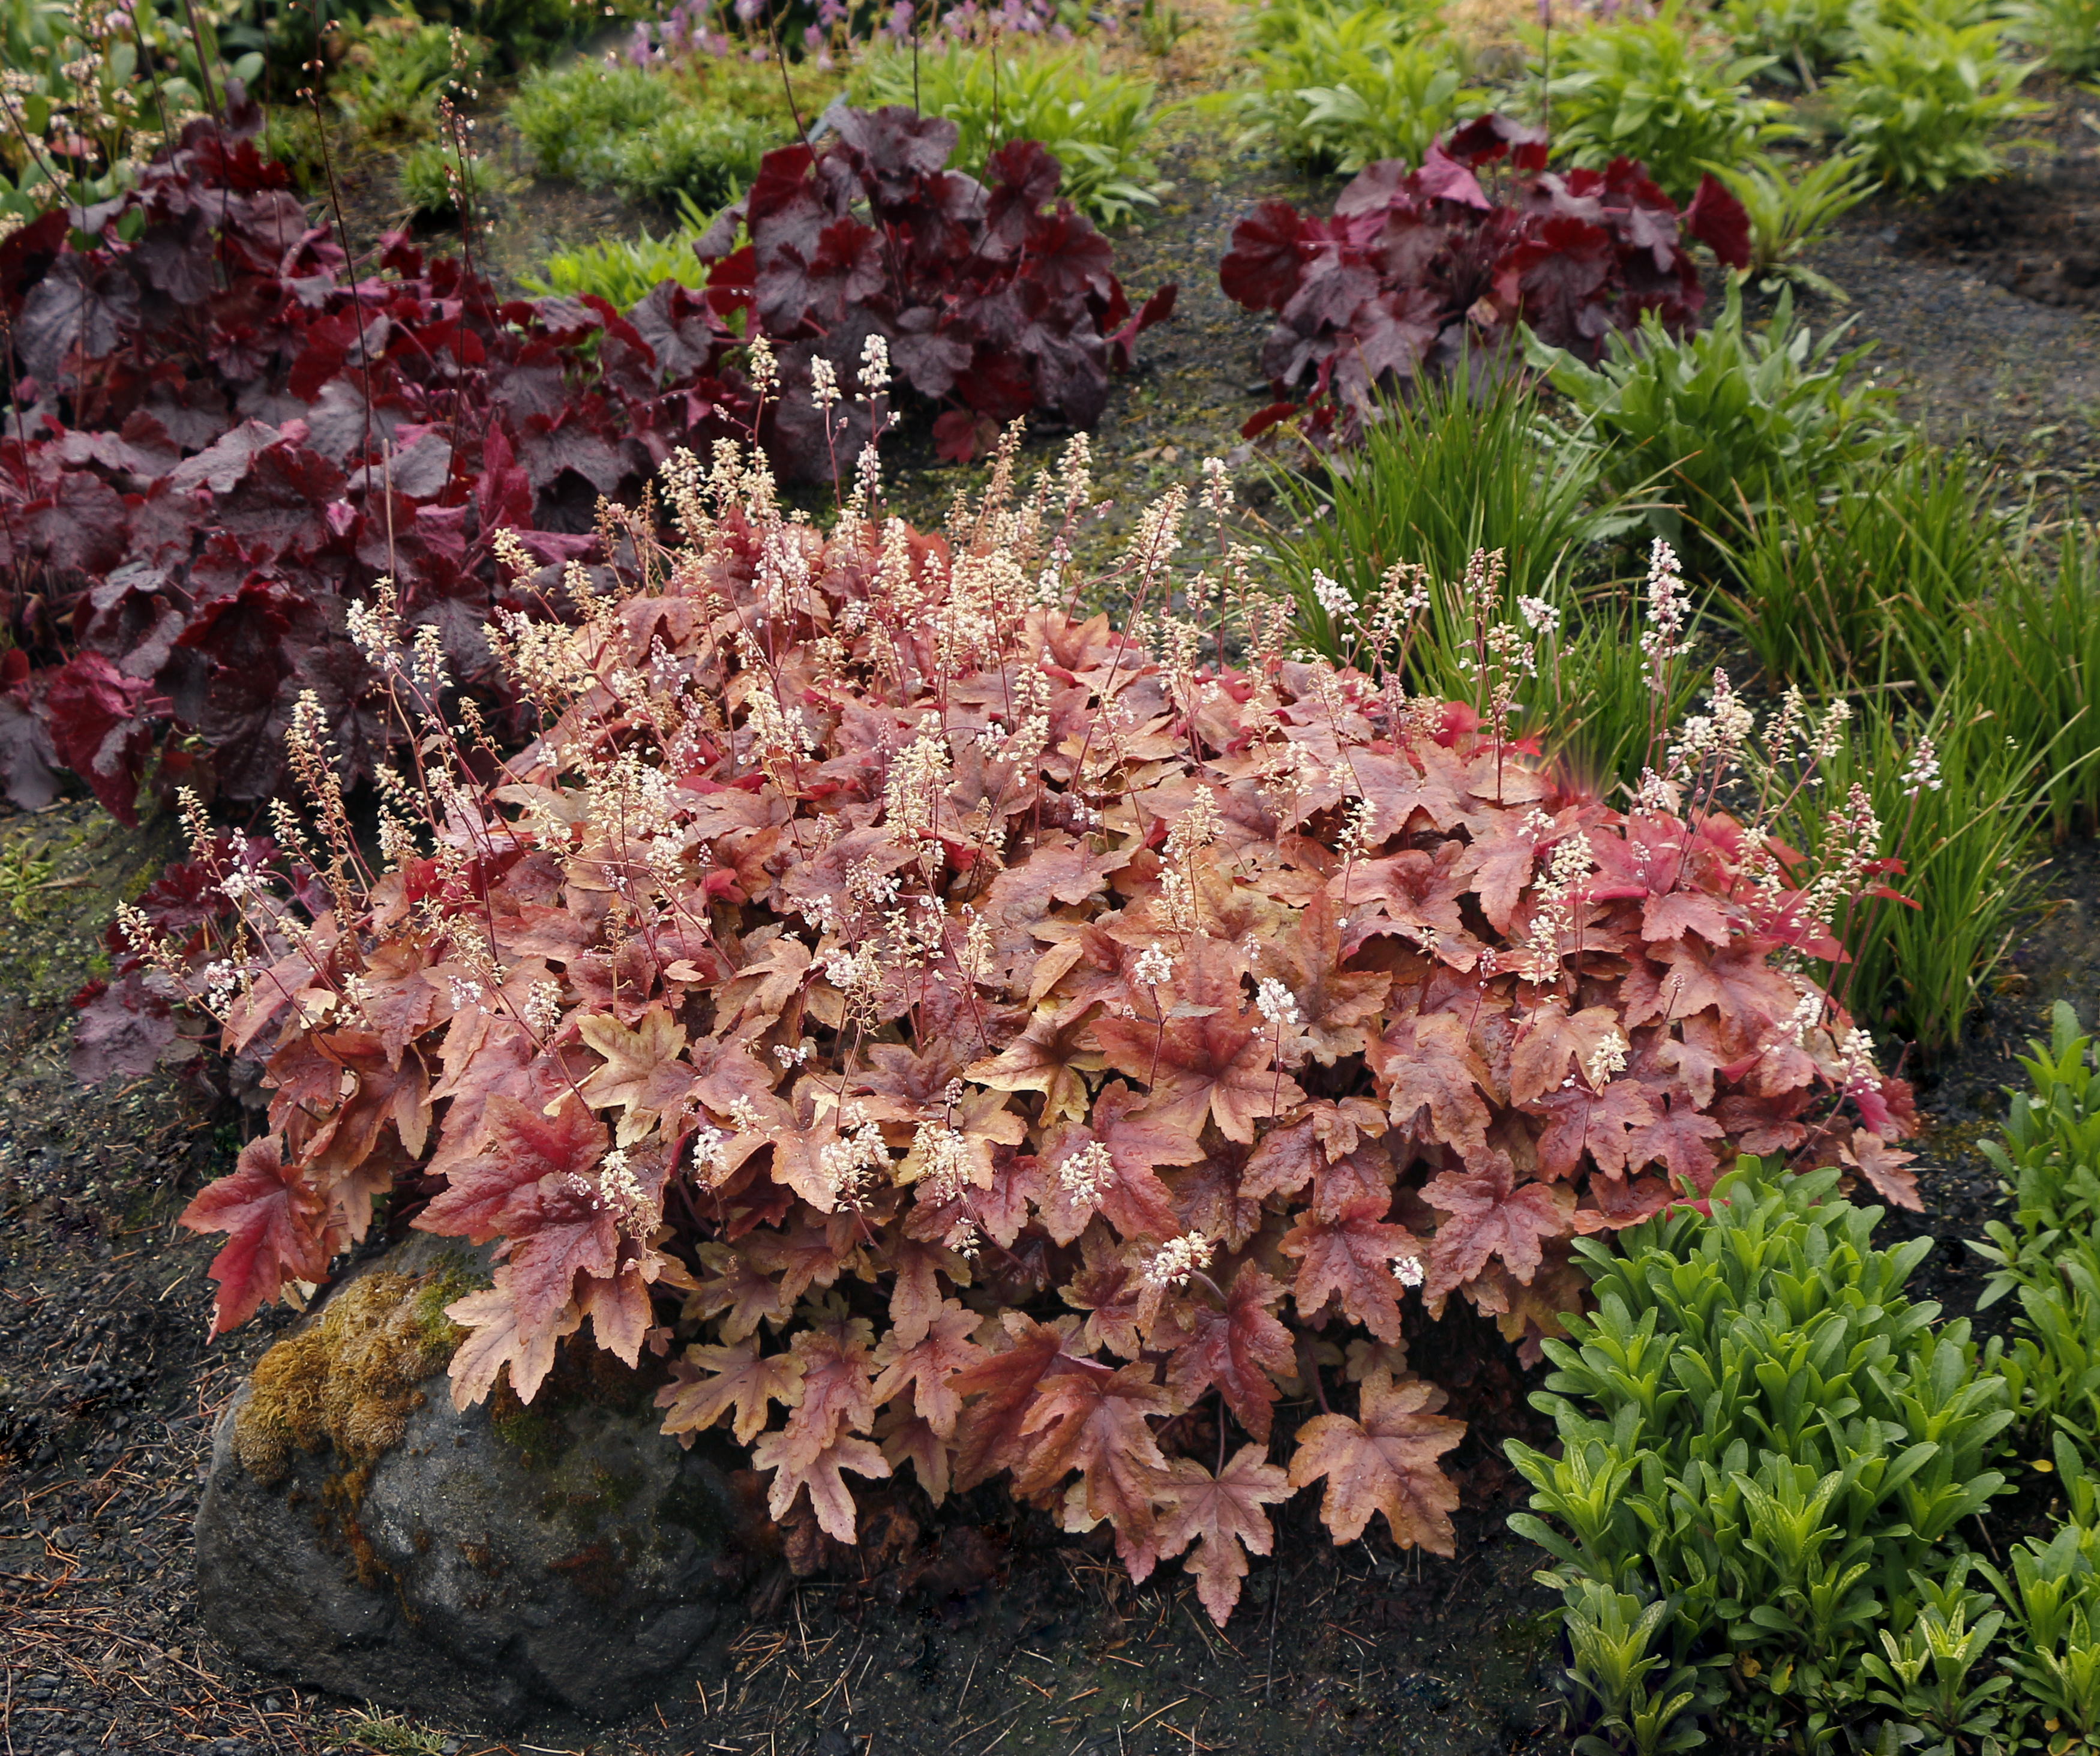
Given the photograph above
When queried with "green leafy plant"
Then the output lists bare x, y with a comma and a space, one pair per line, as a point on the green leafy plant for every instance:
1095, 124
1792, 209
433, 175
623, 272
395, 67
1641, 88
1610, 1634
1760, 1430
1340, 88
1800, 37
1160, 26
92, 91
1928, 1675
573, 121
2066, 32
2048, 1161
703, 156
1925, 103
1721, 420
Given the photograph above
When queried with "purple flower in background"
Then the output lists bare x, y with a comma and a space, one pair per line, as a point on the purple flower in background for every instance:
749, 11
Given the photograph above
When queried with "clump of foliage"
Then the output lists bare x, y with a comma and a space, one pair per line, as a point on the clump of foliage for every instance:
984, 295
2031, 652
1792, 209
2066, 31
392, 69
1797, 38
656, 135
1341, 87
1765, 1449
572, 119
985, 1035
437, 181
1093, 123
1925, 103
1640, 88
693, 154
1720, 420
622, 272
218, 442
1859, 575
2048, 1255
1418, 271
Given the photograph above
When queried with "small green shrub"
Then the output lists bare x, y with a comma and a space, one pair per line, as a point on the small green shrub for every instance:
623, 272
1792, 209
1341, 88
1721, 420
1925, 102
1642, 88
1802, 37
575, 120
430, 177
2048, 1255
1760, 1432
2066, 34
705, 155
1095, 124
395, 68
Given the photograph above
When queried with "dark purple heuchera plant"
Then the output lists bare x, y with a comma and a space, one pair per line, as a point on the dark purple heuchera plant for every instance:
1417, 271
218, 442
989, 298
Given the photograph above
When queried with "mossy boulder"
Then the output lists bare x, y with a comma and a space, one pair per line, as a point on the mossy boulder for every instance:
359, 1533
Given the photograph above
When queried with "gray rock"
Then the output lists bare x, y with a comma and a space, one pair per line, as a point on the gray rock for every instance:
479, 1566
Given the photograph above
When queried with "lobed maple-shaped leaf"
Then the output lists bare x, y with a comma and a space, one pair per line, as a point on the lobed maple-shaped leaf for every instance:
500, 1338
1350, 1256
524, 1144
1491, 1214
276, 1227
928, 1367
1384, 1460
739, 1378
1242, 1349
993, 1434
1098, 1423
1222, 1515
1209, 1056
795, 1468
645, 1074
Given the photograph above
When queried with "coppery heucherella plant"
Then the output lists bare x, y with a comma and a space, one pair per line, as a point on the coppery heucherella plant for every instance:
959, 1034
